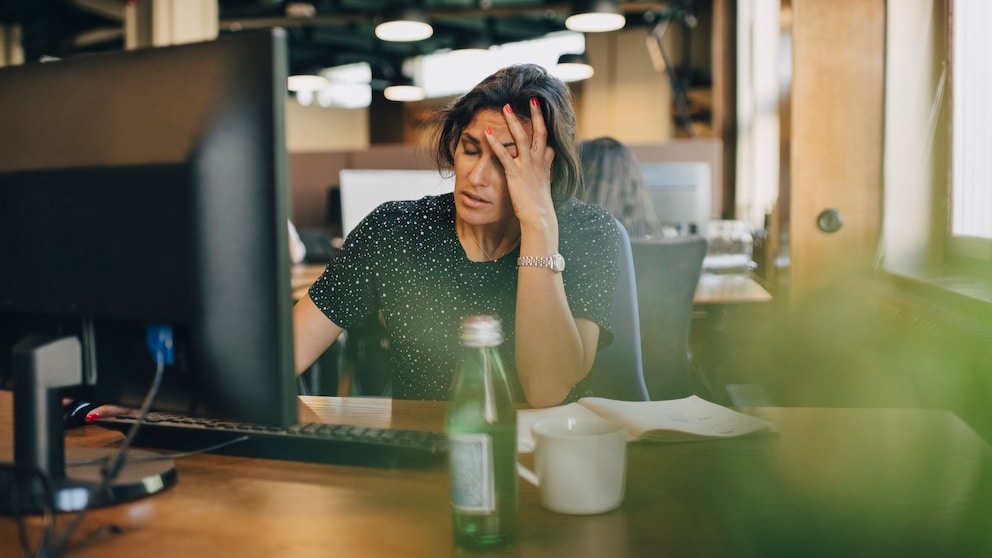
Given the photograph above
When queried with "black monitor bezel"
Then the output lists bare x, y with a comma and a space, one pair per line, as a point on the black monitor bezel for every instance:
191, 234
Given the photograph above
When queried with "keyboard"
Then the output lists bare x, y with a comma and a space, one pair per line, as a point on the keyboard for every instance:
313, 442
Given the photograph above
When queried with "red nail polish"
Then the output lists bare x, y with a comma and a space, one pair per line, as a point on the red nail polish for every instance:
92, 417
489, 131
534, 101
508, 108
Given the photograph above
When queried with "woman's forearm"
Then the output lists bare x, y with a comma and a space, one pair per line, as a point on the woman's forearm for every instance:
553, 352
551, 349
313, 333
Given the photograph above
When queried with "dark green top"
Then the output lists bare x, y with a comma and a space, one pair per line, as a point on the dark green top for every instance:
405, 259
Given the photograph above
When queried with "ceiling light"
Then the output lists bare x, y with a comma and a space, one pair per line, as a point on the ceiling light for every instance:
470, 56
345, 95
306, 82
396, 85
403, 93
402, 89
403, 24
305, 97
572, 67
595, 16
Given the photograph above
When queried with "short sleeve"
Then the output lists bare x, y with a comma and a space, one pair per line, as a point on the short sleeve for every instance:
589, 242
346, 291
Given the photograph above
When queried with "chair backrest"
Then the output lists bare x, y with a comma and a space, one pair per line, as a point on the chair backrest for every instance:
667, 272
617, 372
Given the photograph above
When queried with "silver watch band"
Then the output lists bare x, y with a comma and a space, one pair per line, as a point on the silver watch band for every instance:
554, 262
536, 262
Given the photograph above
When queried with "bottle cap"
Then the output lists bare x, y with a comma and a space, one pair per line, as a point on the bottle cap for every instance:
482, 331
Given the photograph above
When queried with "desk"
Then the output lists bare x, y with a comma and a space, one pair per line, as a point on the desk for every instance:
833, 482
730, 338
302, 276
729, 289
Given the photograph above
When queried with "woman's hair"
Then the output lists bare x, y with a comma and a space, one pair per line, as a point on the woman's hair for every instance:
612, 178
516, 85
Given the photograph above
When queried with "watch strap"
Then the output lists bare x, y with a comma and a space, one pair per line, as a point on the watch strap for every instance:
554, 262
535, 262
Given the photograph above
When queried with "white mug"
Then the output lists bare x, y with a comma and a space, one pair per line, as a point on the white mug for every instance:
580, 463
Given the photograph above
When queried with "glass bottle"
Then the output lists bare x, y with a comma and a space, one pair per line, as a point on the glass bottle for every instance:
482, 429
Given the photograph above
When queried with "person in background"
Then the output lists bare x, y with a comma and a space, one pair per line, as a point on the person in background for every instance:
613, 179
493, 246
297, 250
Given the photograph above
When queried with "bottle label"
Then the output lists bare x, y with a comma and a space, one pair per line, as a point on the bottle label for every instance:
472, 487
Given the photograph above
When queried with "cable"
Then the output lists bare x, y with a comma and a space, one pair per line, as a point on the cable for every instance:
160, 343
181, 455
48, 519
162, 456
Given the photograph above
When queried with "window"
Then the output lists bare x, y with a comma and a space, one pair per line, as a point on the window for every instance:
454, 73
971, 130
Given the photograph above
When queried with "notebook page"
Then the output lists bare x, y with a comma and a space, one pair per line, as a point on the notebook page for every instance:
689, 418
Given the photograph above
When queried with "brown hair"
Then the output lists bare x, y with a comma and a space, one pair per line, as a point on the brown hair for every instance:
516, 85
612, 178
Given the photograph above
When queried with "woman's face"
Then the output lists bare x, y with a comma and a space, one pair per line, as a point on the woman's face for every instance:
481, 195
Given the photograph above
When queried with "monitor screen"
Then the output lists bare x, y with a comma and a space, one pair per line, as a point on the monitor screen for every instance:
362, 190
149, 187
680, 192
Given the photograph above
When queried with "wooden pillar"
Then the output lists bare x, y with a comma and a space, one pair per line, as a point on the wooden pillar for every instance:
725, 96
169, 22
835, 137
11, 47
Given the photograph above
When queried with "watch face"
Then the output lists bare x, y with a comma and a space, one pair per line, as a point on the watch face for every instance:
557, 262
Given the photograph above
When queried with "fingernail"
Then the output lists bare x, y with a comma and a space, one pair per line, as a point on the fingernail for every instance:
489, 131
534, 101
92, 417
508, 108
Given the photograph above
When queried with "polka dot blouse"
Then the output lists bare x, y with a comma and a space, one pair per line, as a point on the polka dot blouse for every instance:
405, 260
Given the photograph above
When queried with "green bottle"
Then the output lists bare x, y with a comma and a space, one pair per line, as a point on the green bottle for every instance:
482, 430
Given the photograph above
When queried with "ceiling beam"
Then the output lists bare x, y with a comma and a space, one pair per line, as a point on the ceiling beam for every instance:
559, 9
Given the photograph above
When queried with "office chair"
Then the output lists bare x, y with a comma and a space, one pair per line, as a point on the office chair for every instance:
617, 372
667, 272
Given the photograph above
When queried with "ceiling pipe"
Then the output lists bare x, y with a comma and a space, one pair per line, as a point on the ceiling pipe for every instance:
110, 9
434, 14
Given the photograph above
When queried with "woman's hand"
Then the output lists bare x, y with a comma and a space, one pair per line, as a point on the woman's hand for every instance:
77, 413
528, 174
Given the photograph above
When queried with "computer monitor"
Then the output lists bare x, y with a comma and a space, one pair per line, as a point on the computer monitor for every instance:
362, 190
144, 188
680, 192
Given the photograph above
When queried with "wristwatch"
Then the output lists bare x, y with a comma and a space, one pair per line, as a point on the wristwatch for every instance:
554, 262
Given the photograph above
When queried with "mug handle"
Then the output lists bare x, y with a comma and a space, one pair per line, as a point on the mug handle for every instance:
527, 474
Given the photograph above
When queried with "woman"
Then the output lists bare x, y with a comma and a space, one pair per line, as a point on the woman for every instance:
613, 179
494, 246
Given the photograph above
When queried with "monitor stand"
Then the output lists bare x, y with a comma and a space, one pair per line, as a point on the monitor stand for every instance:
42, 368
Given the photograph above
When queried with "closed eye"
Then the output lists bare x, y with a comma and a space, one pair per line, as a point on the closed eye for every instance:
470, 145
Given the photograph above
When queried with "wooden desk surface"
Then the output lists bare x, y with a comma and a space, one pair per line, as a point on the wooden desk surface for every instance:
832, 482
302, 276
729, 289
